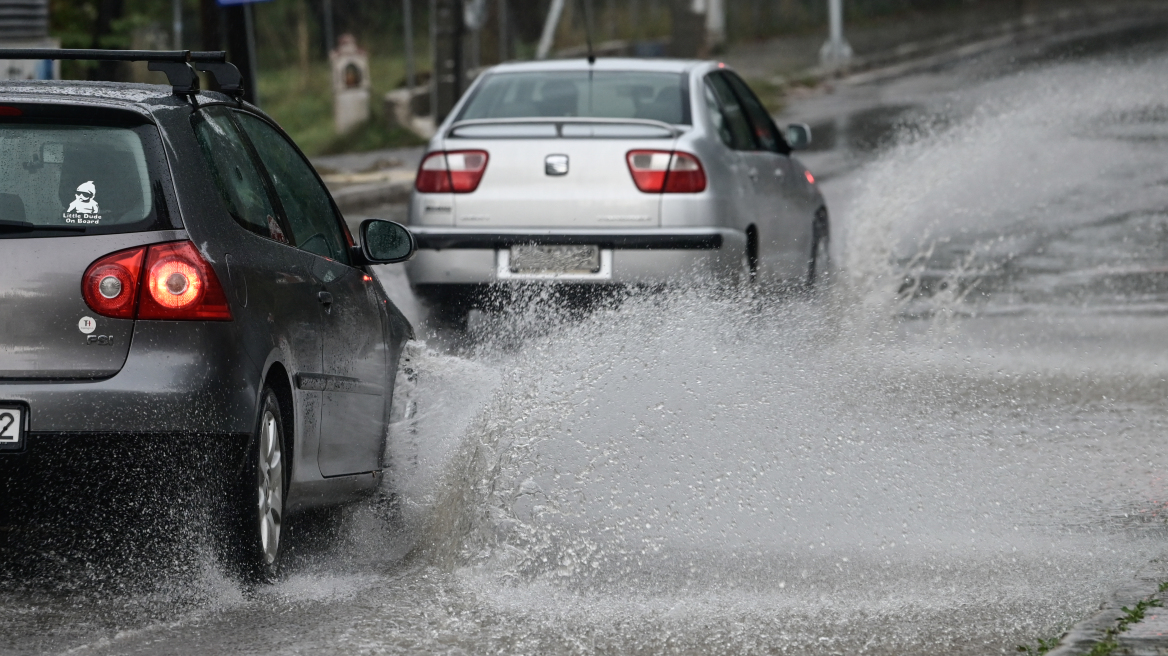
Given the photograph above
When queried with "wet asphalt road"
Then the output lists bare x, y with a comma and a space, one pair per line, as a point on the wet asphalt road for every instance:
958, 448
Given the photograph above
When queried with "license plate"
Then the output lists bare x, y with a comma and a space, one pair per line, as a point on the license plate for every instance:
11, 428
533, 258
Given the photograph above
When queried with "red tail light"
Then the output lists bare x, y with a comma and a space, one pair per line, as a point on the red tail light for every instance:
663, 171
165, 281
110, 285
180, 285
457, 171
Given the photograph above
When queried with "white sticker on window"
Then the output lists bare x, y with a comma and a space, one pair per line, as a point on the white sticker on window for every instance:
87, 325
83, 209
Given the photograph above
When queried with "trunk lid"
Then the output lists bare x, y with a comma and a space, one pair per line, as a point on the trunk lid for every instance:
597, 191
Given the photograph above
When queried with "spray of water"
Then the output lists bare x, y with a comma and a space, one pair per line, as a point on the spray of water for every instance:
701, 472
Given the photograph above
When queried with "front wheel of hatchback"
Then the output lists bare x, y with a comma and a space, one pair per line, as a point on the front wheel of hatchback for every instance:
260, 496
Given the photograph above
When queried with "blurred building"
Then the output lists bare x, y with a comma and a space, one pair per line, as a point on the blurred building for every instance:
25, 24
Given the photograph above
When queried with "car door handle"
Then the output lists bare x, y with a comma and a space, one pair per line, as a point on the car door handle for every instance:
325, 298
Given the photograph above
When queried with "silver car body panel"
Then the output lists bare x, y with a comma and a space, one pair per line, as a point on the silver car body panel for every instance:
763, 191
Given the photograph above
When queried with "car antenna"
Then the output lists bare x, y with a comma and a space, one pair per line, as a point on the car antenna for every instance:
588, 30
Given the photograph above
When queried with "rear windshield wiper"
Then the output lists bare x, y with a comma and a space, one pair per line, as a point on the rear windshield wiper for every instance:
23, 226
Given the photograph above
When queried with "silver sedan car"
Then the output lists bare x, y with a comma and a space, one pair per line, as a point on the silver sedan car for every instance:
620, 171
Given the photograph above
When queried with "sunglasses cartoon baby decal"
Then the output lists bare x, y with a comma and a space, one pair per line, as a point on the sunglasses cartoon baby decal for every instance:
83, 199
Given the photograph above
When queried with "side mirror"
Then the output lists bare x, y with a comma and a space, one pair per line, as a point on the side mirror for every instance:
386, 242
798, 136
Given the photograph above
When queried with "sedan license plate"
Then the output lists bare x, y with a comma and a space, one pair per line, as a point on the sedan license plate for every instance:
533, 258
11, 428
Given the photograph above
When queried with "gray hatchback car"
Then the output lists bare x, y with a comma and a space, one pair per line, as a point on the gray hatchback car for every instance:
173, 267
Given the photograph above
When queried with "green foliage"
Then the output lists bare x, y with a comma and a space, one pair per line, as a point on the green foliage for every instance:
302, 103
1043, 647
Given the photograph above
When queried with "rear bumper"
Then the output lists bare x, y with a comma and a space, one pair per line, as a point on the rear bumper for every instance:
180, 378
468, 256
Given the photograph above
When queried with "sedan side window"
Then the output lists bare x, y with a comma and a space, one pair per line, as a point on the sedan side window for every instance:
315, 225
765, 131
737, 128
236, 176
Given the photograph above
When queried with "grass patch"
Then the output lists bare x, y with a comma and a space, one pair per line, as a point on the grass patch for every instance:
1042, 647
301, 101
773, 96
1110, 642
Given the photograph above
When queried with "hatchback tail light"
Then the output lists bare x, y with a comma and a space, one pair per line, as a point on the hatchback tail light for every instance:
457, 171
110, 285
663, 171
168, 281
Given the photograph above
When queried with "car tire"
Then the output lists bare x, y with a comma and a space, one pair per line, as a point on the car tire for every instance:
260, 496
820, 264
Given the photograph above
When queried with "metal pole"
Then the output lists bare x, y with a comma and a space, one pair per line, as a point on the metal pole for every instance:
715, 23
836, 52
434, 62
549, 29
178, 24
408, 20
504, 33
253, 73
330, 36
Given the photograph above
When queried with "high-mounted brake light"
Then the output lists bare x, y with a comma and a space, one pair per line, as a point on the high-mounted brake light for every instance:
168, 281
6, 110
663, 171
453, 171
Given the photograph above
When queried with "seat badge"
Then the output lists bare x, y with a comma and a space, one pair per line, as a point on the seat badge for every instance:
556, 165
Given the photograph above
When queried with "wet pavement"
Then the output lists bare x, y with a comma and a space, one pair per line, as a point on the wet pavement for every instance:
957, 448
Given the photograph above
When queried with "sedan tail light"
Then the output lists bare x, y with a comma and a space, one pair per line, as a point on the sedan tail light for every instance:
457, 171
663, 171
165, 281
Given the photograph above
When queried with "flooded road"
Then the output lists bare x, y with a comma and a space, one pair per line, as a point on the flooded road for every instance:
957, 448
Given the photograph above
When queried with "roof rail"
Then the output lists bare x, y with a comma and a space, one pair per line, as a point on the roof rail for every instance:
175, 64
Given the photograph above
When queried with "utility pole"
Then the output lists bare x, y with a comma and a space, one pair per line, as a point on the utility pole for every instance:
504, 32
549, 29
446, 27
408, 22
835, 53
330, 33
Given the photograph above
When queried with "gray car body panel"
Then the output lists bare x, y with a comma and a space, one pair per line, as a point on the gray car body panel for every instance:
195, 378
759, 190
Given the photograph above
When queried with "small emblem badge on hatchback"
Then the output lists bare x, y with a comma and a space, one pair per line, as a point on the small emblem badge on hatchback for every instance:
86, 325
556, 165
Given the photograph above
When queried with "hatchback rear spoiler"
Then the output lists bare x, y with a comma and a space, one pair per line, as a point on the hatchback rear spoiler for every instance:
562, 127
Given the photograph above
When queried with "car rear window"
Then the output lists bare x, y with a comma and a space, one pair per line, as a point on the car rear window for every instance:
596, 94
62, 179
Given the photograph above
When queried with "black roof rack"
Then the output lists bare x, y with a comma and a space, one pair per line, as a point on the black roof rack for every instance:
175, 64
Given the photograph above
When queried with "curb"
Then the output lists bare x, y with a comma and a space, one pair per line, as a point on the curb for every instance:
1083, 636
920, 55
358, 197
